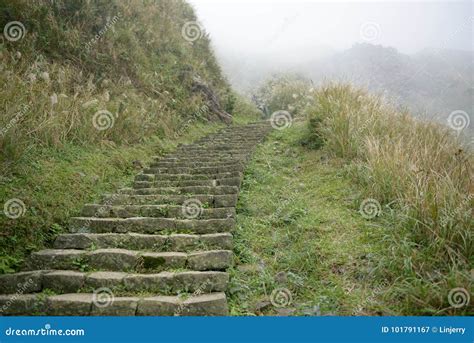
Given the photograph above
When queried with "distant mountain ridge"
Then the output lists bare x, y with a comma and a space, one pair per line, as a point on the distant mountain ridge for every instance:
431, 83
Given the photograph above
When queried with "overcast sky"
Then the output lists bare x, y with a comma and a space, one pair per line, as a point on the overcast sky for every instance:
253, 26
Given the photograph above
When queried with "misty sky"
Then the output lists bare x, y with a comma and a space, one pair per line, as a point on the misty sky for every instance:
248, 27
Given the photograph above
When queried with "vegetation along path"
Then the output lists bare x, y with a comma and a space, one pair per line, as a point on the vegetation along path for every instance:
301, 247
159, 248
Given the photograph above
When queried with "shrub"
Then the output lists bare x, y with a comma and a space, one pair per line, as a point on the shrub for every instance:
290, 93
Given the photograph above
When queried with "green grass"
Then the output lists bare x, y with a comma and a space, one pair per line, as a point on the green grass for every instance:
420, 175
299, 228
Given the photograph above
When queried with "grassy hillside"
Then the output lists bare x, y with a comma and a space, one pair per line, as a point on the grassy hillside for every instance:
418, 177
90, 91
76, 58
410, 182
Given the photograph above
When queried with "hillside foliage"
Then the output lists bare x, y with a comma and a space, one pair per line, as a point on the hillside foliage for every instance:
91, 90
128, 59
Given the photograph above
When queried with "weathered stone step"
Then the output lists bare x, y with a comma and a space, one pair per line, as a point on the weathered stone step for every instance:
194, 170
198, 159
222, 145
149, 225
211, 153
135, 241
206, 200
175, 177
233, 143
200, 156
194, 164
231, 181
156, 211
217, 190
227, 147
237, 135
128, 260
80, 304
234, 136
69, 281
208, 154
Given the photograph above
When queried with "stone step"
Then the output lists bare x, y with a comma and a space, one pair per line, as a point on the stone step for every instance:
199, 159
208, 154
157, 211
221, 145
231, 143
217, 148
231, 181
216, 154
88, 304
149, 225
69, 281
194, 164
135, 241
195, 170
224, 146
235, 133
217, 190
128, 260
230, 137
208, 201
175, 177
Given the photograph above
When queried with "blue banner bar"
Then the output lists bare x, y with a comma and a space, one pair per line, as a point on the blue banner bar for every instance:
237, 329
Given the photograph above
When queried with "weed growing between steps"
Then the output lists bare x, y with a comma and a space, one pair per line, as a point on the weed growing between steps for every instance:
297, 230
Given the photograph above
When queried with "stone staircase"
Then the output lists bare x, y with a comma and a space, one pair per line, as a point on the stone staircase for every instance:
161, 247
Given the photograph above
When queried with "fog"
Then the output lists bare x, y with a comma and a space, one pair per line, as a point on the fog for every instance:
261, 26
419, 54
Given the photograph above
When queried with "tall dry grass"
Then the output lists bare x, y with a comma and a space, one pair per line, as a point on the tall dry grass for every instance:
422, 176
76, 58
